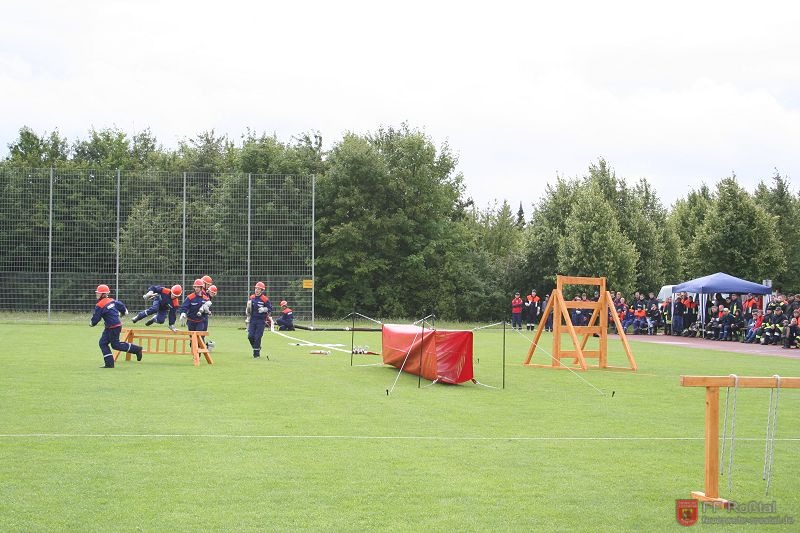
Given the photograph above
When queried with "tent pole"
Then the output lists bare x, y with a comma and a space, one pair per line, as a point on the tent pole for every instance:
353, 336
421, 343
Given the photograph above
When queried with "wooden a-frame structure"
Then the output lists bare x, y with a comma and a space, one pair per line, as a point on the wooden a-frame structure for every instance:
598, 325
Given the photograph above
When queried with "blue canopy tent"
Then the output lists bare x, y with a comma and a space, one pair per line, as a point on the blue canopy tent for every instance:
719, 282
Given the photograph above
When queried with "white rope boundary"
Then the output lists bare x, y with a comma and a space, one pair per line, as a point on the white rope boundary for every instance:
349, 437
308, 344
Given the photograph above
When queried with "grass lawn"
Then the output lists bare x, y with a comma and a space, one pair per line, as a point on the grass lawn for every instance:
309, 442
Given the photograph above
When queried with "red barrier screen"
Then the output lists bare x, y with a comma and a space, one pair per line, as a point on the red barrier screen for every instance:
443, 355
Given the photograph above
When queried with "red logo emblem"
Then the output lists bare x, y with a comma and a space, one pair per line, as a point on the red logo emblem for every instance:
686, 512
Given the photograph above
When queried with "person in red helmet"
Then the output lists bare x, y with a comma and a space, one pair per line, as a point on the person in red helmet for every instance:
164, 304
258, 312
285, 322
190, 308
207, 283
109, 311
205, 313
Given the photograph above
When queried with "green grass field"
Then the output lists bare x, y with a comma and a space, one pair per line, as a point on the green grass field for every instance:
308, 442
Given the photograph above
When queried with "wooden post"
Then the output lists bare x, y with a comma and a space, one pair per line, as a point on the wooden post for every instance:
711, 447
712, 385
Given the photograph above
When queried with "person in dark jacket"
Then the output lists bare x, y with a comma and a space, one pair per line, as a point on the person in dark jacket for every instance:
285, 322
164, 303
258, 311
190, 309
109, 311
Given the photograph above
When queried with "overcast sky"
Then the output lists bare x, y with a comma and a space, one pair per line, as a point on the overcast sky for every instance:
679, 93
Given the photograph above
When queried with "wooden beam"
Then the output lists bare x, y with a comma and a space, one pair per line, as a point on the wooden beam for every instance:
742, 382
579, 280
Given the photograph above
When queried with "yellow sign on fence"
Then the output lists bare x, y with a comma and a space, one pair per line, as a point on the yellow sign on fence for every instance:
308, 283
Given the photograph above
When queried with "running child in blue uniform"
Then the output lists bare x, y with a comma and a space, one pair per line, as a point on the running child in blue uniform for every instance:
109, 310
190, 308
165, 302
205, 313
258, 312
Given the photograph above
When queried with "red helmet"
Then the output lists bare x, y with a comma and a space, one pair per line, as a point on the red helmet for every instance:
283, 303
176, 290
212, 290
198, 283
260, 285
102, 289
207, 279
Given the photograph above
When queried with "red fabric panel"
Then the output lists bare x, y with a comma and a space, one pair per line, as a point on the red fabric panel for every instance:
442, 354
405, 343
454, 356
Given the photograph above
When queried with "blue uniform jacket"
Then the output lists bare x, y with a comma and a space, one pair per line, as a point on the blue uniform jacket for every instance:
256, 304
165, 295
286, 319
109, 310
191, 306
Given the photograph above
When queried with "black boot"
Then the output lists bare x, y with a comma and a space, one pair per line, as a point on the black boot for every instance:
109, 361
138, 352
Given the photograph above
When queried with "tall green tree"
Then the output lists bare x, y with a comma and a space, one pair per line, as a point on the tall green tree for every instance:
208, 153
685, 221
595, 245
737, 237
543, 233
38, 151
779, 201
641, 218
385, 205
107, 149
501, 237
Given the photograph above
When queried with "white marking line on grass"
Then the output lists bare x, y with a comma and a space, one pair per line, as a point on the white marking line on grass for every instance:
350, 437
308, 343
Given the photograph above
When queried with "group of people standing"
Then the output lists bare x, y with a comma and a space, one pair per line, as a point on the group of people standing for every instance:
528, 309
194, 312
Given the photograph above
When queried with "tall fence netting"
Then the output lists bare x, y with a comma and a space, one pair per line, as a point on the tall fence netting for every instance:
65, 232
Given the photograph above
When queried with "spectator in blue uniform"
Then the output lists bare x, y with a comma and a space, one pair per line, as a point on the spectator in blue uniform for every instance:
190, 308
109, 310
258, 312
285, 322
164, 303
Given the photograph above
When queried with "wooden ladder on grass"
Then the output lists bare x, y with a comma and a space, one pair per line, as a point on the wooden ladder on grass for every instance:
168, 342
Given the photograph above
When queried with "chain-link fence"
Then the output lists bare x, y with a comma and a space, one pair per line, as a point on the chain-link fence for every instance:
64, 232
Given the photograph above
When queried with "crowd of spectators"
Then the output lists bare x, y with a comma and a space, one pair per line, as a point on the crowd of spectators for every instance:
742, 318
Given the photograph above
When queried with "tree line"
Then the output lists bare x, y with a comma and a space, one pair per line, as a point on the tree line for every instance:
396, 235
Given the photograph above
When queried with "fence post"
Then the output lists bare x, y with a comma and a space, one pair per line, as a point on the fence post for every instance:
50, 250
183, 254
116, 273
313, 255
249, 224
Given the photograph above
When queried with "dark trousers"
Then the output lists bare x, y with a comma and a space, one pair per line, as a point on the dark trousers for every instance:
254, 333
